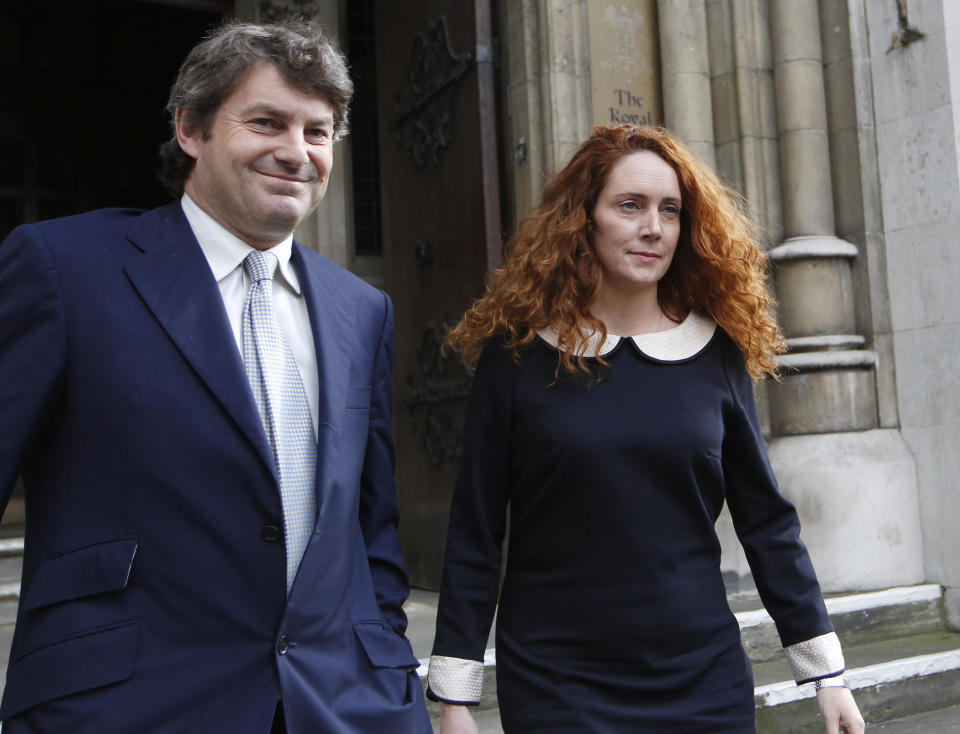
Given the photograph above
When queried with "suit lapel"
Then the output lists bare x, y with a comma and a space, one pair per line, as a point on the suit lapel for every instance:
331, 318
174, 280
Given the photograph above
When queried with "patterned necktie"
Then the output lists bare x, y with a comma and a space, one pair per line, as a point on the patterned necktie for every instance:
283, 406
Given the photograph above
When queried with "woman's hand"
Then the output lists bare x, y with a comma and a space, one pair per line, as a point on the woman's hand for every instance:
457, 720
839, 711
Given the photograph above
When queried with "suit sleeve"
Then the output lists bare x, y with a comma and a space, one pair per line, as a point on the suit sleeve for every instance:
379, 509
471, 572
769, 530
32, 348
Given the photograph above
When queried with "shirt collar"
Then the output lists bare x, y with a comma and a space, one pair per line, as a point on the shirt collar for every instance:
683, 341
225, 251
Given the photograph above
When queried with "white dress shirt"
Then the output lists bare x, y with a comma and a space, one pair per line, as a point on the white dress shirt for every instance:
225, 253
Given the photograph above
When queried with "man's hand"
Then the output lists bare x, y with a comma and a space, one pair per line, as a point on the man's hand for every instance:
840, 711
457, 720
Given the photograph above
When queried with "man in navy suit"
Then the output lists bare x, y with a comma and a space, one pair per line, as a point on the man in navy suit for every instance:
166, 586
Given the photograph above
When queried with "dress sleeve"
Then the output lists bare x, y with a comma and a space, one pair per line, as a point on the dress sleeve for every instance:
769, 530
471, 572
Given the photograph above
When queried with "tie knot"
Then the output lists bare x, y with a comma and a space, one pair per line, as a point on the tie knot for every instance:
260, 265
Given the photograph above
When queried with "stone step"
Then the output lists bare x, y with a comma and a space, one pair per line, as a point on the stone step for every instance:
901, 661
858, 619
940, 721
11, 563
891, 679
907, 677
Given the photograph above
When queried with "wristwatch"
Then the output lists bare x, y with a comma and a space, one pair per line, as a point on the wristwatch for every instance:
836, 681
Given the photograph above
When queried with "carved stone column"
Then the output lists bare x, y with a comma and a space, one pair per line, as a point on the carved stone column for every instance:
744, 109
830, 377
853, 485
687, 107
548, 85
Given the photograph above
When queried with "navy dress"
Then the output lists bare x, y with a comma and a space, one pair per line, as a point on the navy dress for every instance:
613, 615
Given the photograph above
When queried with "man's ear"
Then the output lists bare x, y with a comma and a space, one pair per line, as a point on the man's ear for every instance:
188, 134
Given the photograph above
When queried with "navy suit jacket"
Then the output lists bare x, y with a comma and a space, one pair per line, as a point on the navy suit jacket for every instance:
153, 595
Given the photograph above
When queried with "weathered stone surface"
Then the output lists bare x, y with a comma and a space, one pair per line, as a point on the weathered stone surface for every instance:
857, 500
815, 296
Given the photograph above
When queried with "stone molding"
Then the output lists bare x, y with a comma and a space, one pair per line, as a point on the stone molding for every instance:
838, 360
826, 343
812, 246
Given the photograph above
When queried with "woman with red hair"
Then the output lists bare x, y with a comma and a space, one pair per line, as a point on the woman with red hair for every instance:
613, 412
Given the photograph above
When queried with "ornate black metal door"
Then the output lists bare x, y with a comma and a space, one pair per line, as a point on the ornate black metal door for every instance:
441, 232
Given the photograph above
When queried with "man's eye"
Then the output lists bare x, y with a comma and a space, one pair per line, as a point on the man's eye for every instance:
318, 133
262, 122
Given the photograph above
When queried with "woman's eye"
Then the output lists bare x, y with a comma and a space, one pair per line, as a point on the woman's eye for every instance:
671, 211
628, 205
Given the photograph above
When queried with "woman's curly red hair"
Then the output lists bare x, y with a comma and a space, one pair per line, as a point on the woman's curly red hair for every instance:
550, 274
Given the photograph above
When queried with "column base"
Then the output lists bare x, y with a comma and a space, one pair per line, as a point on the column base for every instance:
824, 392
856, 494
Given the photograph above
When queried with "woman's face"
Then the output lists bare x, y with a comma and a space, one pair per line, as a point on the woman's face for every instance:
637, 223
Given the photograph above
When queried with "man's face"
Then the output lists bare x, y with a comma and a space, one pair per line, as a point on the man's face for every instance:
266, 162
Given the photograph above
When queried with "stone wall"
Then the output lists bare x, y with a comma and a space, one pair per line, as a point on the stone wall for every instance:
916, 89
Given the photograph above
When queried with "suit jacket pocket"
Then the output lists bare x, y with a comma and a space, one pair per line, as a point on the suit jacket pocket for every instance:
93, 569
76, 663
358, 398
384, 648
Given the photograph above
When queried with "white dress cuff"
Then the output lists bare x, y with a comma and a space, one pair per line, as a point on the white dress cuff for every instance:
818, 657
455, 680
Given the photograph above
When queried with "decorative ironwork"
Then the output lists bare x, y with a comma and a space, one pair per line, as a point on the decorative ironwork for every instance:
431, 406
422, 123
424, 250
276, 9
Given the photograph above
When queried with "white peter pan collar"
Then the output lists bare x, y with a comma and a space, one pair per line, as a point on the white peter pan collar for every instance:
683, 341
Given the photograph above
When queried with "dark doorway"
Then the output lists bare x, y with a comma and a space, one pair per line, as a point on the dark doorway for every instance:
82, 108
82, 103
365, 148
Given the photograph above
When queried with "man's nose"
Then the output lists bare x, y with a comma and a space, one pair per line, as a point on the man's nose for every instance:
292, 148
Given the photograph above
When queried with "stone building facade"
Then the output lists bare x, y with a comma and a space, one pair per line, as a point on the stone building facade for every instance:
839, 123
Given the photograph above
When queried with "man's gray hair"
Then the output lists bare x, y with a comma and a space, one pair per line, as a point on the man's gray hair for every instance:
299, 50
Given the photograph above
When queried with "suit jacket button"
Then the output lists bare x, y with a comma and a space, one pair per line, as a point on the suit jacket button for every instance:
271, 533
283, 644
